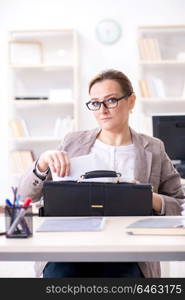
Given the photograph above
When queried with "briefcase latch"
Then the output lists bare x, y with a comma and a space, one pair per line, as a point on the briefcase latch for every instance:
96, 206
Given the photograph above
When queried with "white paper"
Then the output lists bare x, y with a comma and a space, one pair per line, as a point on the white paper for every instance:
183, 209
82, 164
73, 224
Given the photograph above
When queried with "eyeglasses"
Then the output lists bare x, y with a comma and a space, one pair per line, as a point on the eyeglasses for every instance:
109, 103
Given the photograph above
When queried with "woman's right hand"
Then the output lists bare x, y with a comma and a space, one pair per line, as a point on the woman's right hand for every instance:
57, 161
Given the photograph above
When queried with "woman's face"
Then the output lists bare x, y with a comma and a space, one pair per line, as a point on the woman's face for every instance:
114, 118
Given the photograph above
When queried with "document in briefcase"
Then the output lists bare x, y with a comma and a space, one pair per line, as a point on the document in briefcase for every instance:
78, 198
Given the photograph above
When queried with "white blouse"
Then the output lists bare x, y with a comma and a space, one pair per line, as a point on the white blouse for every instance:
117, 158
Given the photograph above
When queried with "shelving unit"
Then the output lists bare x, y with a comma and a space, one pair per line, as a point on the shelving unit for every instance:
21, 140
161, 63
43, 87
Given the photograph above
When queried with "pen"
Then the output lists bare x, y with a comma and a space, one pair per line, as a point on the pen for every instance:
8, 209
7, 201
18, 197
14, 190
19, 216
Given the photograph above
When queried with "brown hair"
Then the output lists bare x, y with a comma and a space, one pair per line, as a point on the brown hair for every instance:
118, 76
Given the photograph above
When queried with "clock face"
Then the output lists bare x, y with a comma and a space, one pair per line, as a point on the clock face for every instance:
108, 31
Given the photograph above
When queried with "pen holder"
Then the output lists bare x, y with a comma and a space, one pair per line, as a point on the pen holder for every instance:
24, 227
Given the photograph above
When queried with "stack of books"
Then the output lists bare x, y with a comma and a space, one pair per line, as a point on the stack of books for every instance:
153, 87
149, 49
144, 88
18, 128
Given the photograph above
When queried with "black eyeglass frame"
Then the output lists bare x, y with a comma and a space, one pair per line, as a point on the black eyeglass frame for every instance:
103, 102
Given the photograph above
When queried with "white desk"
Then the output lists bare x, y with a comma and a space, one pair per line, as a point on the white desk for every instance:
111, 244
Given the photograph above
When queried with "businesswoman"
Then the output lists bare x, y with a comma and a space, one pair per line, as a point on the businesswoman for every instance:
137, 156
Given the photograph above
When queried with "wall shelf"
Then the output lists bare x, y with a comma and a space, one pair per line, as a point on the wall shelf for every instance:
162, 62
161, 66
41, 103
162, 100
31, 139
42, 64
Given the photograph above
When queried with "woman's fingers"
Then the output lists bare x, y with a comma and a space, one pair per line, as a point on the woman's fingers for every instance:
63, 165
134, 181
51, 163
67, 163
58, 162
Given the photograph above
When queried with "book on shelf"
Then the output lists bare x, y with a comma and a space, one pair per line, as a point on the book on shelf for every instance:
157, 226
142, 49
18, 128
63, 126
157, 87
149, 49
21, 160
154, 50
157, 49
144, 88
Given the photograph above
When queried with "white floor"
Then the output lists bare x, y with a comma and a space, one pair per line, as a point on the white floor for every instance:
26, 269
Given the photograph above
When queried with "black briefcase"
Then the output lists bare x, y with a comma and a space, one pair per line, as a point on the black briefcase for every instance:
78, 198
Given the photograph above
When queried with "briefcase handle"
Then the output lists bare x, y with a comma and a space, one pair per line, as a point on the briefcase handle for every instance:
100, 173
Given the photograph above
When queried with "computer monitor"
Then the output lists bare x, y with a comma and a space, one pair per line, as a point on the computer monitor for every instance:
171, 130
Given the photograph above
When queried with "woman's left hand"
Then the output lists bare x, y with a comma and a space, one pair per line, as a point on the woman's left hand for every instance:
156, 202
156, 199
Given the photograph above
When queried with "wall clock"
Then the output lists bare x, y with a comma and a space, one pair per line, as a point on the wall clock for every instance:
108, 31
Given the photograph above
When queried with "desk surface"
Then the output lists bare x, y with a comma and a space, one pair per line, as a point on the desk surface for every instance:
110, 244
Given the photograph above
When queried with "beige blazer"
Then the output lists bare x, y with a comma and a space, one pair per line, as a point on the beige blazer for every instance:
152, 165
